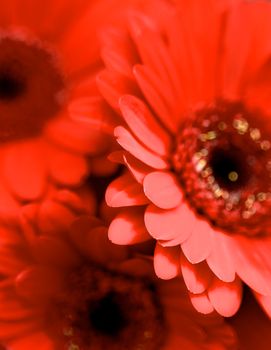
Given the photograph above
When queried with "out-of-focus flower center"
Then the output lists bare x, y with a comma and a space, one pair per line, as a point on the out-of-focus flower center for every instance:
30, 88
223, 161
104, 310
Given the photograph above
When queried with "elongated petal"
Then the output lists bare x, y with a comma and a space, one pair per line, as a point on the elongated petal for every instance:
252, 262
113, 86
54, 251
9, 207
197, 277
153, 95
54, 217
138, 169
125, 191
201, 303
143, 125
24, 170
12, 330
128, 227
37, 339
130, 144
15, 310
39, 283
226, 297
251, 18
12, 260
169, 224
91, 239
67, 168
166, 262
198, 246
162, 189
220, 259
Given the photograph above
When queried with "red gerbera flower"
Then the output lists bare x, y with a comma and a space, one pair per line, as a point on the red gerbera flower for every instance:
194, 96
71, 288
49, 121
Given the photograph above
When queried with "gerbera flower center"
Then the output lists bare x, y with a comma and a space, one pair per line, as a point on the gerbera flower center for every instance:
30, 88
105, 310
229, 168
107, 315
11, 84
223, 162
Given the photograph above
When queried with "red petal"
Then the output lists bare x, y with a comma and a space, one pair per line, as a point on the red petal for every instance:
14, 310
162, 189
84, 30
226, 297
54, 251
11, 330
54, 217
169, 224
116, 61
91, 239
62, 15
199, 244
130, 144
157, 72
113, 86
201, 303
143, 124
197, 277
196, 47
24, 169
67, 168
166, 262
71, 200
252, 262
12, 260
128, 227
9, 237
138, 169
76, 136
9, 207
101, 166
119, 53
160, 99
39, 283
220, 259
39, 341
124, 191
249, 19
95, 113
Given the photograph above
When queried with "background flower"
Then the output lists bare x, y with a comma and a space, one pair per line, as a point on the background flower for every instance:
71, 287
50, 116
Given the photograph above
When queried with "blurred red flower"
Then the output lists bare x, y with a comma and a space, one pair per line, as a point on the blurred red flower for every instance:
49, 112
66, 286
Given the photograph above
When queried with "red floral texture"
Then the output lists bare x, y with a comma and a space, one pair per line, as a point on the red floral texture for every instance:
51, 124
64, 285
194, 97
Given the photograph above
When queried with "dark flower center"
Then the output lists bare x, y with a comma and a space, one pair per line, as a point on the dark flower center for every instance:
229, 168
107, 315
104, 310
30, 88
223, 161
11, 85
